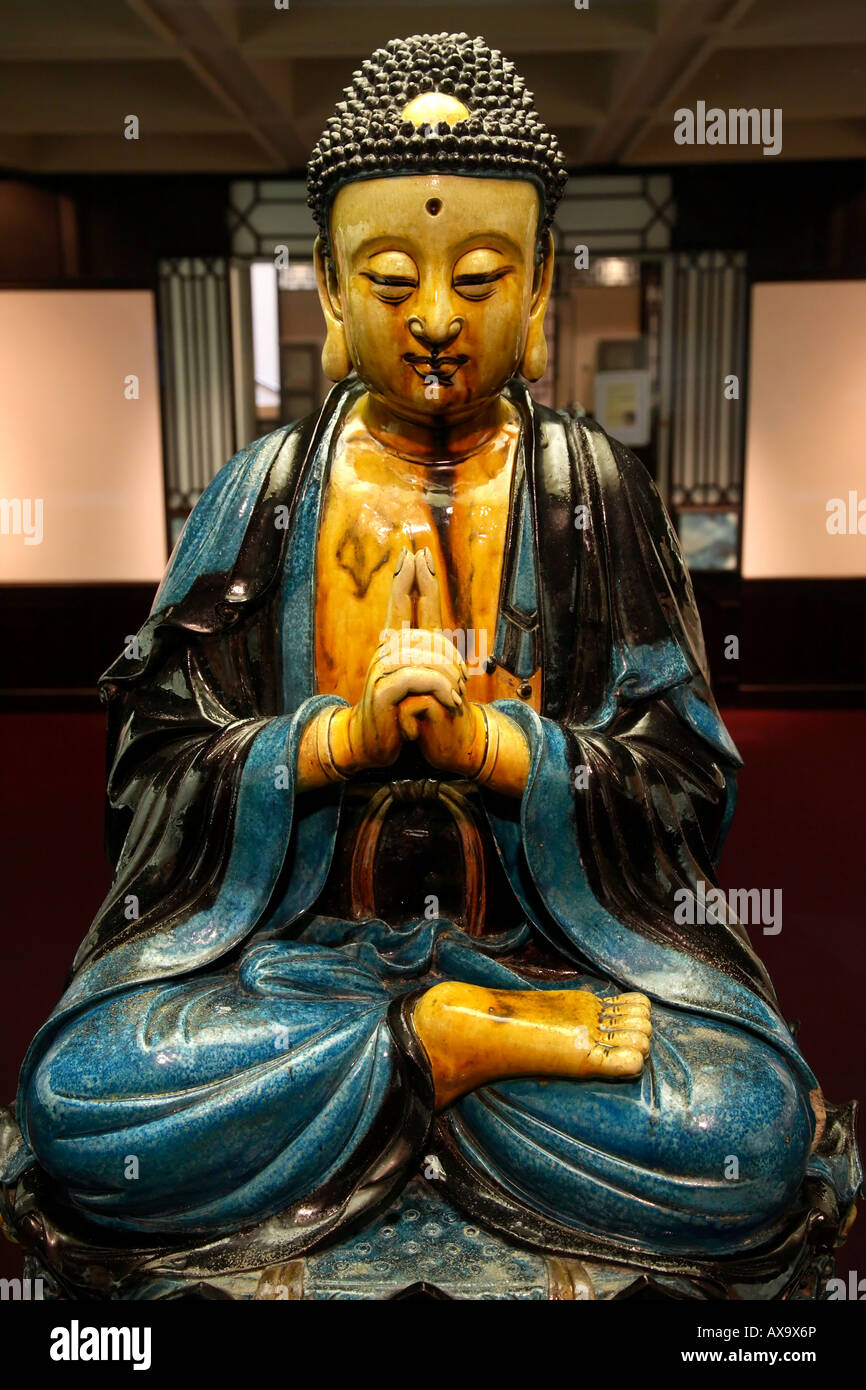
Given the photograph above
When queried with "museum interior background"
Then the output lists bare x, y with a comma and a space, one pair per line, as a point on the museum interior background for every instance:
157, 310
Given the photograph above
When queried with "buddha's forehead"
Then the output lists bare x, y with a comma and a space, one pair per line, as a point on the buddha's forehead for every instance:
434, 214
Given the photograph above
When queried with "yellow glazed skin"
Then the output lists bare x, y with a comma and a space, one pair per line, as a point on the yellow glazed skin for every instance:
435, 297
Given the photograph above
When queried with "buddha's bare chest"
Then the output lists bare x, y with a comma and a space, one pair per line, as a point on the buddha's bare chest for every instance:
370, 511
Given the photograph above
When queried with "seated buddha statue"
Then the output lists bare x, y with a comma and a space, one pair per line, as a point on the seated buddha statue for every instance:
411, 766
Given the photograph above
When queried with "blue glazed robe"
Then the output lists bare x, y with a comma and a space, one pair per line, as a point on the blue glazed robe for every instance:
225, 1052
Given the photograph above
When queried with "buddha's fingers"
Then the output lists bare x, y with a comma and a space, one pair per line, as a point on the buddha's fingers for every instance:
400, 597
409, 715
419, 647
390, 663
420, 680
626, 1038
441, 649
429, 593
393, 683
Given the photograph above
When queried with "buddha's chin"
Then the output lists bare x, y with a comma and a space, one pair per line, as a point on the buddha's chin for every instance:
447, 405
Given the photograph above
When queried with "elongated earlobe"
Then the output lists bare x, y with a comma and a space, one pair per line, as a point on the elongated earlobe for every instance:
335, 354
336, 363
533, 363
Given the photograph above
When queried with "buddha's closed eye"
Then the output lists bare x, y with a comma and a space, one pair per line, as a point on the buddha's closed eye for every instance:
391, 289
479, 286
476, 274
393, 276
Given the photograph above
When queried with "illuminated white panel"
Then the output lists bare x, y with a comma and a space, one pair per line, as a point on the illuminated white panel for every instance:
80, 462
806, 439
266, 333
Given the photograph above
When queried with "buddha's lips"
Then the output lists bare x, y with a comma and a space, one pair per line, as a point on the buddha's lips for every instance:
442, 368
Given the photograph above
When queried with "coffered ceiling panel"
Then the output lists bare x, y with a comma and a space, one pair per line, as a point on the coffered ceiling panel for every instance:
244, 87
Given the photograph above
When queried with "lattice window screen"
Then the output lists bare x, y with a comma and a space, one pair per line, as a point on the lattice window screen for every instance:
199, 413
709, 334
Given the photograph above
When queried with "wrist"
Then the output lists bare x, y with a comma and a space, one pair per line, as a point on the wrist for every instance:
340, 748
477, 749
489, 746
316, 765
504, 766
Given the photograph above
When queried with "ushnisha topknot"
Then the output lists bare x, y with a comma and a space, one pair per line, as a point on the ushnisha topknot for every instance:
369, 136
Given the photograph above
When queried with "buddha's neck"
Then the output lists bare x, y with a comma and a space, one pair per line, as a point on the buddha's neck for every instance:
440, 441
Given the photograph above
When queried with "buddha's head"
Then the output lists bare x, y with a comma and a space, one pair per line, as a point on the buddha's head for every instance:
434, 186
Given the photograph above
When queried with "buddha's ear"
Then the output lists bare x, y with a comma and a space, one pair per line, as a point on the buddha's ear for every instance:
533, 363
335, 353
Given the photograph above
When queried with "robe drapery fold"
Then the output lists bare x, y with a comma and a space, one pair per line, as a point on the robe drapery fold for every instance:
256, 1057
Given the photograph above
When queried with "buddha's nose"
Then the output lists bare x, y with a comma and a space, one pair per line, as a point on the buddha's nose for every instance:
435, 330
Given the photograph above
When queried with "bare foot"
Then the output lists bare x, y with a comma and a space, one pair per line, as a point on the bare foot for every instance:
474, 1035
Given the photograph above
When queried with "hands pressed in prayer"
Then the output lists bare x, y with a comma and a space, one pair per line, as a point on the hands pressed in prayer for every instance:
410, 664
451, 737
415, 691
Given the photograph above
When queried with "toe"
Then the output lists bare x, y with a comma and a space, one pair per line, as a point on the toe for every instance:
635, 1023
633, 999
629, 1017
622, 1061
623, 1038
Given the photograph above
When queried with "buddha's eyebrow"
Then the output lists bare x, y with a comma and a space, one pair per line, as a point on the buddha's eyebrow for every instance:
379, 279
482, 277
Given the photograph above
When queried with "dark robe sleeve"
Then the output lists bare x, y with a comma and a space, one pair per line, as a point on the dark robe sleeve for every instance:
632, 786
310, 1088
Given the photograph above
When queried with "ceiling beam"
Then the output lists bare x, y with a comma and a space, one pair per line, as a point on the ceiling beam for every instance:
209, 53
687, 33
